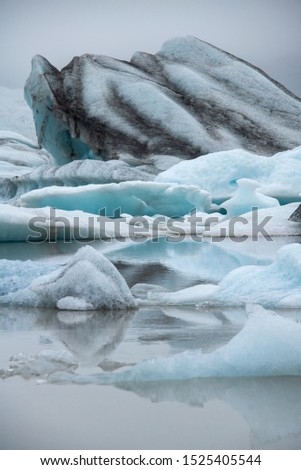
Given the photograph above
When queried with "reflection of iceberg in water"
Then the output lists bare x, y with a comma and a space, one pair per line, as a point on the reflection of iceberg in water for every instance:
266, 345
93, 338
270, 406
269, 345
202, 260
88, 336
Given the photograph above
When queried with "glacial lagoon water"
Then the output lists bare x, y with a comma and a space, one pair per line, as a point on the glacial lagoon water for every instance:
55, 396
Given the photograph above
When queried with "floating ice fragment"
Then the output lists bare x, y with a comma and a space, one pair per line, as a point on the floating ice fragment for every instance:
63, 288
279, 176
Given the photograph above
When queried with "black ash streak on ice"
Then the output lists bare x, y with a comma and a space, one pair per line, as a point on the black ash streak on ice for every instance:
296, 216
187, 100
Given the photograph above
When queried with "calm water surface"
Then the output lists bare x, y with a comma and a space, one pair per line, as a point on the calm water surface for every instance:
207, 413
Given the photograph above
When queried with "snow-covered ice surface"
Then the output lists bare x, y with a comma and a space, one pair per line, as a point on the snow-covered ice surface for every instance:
278, 176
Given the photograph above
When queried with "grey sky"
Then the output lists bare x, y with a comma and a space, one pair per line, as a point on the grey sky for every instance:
267, 33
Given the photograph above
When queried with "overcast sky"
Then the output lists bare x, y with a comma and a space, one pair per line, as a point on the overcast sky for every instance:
266, 33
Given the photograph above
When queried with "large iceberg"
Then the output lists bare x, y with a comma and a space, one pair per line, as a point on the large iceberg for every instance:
63, 287
189, 99
278, 176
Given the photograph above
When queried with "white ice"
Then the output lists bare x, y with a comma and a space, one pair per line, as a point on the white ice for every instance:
275, 285
246, 198
267, 223
18, 156
40, 224
15, 114
63, 288
278, 176
41, 364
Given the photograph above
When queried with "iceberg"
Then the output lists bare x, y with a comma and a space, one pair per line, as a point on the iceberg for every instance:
76, 173
218, 173
276, 285
135, 198
39, 225
257, 224
62, 288
188, 99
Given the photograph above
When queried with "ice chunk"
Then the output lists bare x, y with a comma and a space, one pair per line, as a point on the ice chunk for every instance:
135, 198
73, 303
42, 364
264, 223
103, 286
279, 176
36, 225
267, 285
275, 285
189, 296
246, 198
76, 173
